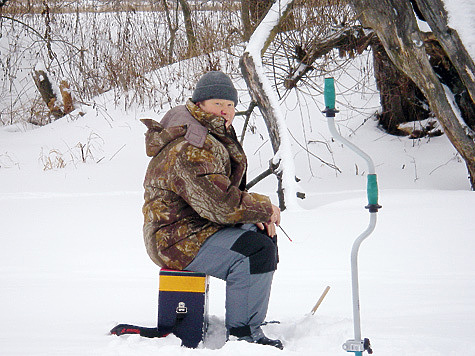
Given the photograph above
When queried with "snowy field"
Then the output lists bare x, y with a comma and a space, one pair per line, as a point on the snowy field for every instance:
73, 263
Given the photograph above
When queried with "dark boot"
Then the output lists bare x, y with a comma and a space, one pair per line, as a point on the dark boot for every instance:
244, 334
266, 341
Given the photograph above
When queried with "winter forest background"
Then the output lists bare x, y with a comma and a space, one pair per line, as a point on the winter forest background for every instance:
77, 76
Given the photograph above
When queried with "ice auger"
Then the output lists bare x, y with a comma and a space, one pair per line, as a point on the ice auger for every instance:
356, 345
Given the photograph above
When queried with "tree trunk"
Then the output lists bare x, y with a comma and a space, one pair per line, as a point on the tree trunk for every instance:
396, 26
249, 73
45, 88
246, 20
172, 29
436, 16
449, 76
258, 95
190, 34
401, 100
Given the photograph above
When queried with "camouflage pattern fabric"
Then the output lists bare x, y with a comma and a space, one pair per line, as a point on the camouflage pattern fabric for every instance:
193, 185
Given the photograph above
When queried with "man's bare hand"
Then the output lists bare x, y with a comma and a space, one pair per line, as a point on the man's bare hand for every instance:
275, 217
271, 225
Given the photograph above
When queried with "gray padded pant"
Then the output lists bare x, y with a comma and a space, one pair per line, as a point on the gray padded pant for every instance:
246, 260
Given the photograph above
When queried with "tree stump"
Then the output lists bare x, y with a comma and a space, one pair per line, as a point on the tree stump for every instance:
45, 88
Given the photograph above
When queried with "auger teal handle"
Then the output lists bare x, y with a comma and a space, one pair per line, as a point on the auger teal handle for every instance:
372, 189
329, 93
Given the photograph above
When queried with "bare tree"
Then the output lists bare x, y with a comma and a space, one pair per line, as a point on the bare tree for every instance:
401, 100
395, 24
408, 64
172, 28
254, 80
246, 20
190, 34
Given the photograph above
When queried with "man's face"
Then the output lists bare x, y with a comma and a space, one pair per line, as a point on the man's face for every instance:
220, 107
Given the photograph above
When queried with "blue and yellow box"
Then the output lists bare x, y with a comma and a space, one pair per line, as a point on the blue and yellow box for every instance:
183, 305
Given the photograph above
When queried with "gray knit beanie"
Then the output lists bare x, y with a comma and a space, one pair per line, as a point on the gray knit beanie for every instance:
215, 85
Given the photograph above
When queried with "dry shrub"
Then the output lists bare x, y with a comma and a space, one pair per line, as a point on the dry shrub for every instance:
52, 160
116, 46
91, 151
91, 148
103, 46
98, 51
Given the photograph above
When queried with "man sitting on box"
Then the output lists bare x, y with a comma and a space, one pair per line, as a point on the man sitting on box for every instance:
198, 215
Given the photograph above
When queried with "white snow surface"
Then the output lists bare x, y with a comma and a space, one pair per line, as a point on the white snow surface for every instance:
73, 263
462, 19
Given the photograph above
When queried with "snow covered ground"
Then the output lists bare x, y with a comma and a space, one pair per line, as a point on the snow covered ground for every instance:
73, 263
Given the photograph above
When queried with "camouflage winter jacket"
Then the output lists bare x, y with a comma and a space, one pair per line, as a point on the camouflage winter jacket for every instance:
193, 185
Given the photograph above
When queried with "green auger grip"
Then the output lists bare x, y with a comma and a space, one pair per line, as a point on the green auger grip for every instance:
372, 190
329, 93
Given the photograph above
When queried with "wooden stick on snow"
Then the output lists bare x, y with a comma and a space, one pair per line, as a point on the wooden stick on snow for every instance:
320, 300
